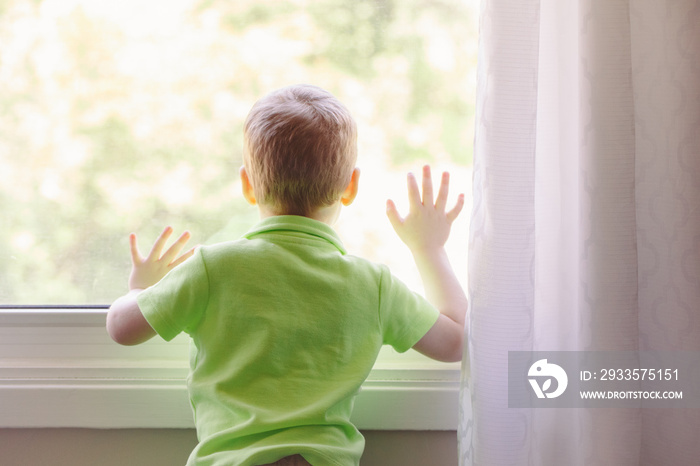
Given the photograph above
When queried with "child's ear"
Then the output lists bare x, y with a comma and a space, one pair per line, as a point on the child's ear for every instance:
351, 190
247, 187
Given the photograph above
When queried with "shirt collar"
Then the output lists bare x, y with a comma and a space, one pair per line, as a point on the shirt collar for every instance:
297, 224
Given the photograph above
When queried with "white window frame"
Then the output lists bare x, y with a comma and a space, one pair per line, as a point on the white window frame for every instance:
59, 368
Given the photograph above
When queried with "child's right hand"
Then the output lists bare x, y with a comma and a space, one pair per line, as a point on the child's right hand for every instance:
427, 225
425, 230
148, 271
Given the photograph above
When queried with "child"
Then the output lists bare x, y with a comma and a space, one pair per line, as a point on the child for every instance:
285, 325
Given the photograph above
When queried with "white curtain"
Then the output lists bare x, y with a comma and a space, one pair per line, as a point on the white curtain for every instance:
585, 230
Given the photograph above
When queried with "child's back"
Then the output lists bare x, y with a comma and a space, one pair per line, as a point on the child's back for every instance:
285, 327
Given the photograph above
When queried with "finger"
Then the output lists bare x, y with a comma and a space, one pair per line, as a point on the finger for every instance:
183, 257
135, 255
441, 200
177, 246
393, 214
452, 214
160, 244
427, 186
413, 192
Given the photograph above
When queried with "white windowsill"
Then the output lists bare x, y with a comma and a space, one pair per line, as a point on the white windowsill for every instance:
59, 368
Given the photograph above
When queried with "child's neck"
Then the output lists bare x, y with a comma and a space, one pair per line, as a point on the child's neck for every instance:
327, 215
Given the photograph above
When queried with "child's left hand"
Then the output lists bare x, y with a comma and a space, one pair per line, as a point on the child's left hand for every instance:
148, 271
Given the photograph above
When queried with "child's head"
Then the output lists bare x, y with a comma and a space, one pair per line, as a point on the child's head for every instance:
300, 149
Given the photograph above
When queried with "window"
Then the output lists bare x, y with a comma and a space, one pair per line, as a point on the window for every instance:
127, 116
120, 117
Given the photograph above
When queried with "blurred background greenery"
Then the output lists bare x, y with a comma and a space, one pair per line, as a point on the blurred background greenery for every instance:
127, 116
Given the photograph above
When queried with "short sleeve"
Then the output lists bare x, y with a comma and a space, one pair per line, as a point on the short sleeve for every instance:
177, 302
405, 315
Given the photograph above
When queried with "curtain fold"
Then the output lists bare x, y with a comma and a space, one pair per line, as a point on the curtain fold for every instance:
585, 231
502, 230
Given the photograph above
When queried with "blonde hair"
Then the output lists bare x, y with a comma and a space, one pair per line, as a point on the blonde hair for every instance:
300, 149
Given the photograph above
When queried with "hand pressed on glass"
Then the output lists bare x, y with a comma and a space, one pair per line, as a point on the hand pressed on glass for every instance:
148, 271
125, 322
425, 230
427, 225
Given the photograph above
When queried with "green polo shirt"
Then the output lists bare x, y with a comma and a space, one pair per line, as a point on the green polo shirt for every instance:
285, 328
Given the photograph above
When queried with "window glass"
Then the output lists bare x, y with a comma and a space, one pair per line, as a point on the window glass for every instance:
127, 116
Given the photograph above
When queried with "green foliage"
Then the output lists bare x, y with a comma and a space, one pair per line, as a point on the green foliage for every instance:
108, 125
246, 15
352, 34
